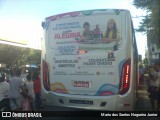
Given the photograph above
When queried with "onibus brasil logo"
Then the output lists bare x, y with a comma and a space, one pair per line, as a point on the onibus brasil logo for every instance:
23, 114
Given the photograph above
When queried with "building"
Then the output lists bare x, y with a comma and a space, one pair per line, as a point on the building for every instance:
155, 53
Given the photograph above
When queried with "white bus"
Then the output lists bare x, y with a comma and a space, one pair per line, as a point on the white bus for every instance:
89, 60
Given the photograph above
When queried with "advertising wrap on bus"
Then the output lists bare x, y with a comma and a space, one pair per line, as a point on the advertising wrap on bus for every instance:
88, 54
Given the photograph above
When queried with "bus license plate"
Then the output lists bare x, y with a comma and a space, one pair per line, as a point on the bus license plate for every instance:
85, 84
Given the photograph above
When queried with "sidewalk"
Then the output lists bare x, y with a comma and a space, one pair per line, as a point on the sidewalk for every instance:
143, 101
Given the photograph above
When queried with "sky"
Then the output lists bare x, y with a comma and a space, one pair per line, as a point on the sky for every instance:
20, 20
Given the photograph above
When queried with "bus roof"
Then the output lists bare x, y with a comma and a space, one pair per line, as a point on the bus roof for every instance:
85, 12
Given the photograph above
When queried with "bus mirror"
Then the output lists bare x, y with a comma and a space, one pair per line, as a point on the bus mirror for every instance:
43, 25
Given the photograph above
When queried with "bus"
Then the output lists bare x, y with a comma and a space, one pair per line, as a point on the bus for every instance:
89, 60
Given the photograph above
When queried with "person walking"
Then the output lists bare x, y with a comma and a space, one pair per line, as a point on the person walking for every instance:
16, 85
30, 91
37, 89
154, 89
141, 73
157, 69
4, 89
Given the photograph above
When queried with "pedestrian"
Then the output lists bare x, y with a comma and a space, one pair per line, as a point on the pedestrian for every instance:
4, 89
16, 85
141, 72
157, 69
37, 89
154, 88
29, 86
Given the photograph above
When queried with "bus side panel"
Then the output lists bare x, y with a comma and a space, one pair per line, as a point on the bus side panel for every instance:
128, 100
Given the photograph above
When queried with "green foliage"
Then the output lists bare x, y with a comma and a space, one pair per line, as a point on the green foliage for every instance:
145, 61
17, 56
150, 25
140, 58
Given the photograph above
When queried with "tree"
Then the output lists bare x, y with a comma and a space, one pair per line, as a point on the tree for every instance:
34, 56
9, 54
151, 22
17, 56
29, 56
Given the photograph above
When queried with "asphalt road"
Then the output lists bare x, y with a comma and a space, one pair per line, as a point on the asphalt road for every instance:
143, 104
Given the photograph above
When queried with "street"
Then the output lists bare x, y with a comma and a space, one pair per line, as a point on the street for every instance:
62, 113
143, 104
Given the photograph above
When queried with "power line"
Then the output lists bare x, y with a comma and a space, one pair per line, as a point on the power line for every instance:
138, 16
